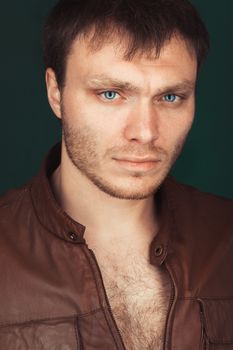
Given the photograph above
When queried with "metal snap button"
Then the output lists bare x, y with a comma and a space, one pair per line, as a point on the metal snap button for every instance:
158, 250
73, 236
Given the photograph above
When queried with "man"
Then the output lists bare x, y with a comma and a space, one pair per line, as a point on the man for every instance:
103, 250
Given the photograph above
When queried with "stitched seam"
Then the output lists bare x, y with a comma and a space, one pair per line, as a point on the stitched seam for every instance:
76, 334
99, 287
218, 298
46, 228
170, 320
170, 267
206, 326
7, 324
20, 194
57, 208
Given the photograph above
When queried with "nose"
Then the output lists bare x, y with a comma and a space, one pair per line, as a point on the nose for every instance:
142, 124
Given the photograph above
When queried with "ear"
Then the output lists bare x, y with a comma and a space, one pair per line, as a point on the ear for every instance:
53, 92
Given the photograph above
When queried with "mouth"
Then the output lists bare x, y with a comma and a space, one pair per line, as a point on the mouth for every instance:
139, 164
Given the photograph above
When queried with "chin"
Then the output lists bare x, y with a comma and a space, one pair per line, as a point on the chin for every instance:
133, 191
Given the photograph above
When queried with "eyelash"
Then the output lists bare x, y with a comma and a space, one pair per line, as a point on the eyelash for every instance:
107, 91
177, 97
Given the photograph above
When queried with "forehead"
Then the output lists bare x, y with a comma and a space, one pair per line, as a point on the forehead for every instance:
175, 57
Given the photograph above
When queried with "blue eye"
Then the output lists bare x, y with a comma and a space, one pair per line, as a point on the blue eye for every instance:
109, 95
170, 98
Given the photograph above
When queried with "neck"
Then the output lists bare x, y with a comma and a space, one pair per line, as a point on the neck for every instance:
108, 220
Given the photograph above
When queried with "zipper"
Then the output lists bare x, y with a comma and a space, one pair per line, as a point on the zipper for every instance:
167, 339
107, 300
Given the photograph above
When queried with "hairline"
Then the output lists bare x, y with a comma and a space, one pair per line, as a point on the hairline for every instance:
152, 53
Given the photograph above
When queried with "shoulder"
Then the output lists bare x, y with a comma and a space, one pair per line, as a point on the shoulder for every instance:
200, 219
198, 204
201, 240
15, 206
13, 197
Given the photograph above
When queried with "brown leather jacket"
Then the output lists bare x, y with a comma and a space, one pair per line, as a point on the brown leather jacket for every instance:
51, 291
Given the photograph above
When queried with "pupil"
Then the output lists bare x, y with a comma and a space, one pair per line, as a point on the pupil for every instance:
171, 98
110, 94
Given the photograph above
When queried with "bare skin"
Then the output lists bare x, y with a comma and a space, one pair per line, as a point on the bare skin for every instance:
139, 295
124, 124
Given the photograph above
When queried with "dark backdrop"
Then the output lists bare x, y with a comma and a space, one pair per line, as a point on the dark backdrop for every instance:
28, 127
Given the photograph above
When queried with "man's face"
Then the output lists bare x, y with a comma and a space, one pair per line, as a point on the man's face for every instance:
125, 122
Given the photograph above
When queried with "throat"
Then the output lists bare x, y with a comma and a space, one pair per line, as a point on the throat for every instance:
123, 241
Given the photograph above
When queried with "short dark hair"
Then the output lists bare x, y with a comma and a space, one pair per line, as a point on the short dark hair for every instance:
148, 24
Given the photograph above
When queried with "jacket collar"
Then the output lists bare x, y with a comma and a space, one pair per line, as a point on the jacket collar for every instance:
49, 213
58, 222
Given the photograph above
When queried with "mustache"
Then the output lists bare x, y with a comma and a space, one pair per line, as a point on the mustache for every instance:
137, 151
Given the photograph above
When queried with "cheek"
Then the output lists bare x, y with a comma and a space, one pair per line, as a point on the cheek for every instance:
175, 132
181, 131
81, 113
184, 119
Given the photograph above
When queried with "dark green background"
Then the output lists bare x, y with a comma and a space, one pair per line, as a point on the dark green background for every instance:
28, 127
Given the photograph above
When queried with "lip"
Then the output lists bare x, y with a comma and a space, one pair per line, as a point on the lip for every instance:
138, 160
139, 164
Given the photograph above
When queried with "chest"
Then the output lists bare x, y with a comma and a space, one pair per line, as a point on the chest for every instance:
139, 296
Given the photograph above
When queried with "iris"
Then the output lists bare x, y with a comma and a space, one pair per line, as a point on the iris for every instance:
109, 95
170, 98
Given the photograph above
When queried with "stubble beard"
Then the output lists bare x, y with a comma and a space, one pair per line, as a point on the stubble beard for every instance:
81, 146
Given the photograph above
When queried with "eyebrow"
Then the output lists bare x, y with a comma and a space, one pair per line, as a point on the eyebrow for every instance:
101, 81
184, 86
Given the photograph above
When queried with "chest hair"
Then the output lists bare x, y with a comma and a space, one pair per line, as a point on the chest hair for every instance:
139, 295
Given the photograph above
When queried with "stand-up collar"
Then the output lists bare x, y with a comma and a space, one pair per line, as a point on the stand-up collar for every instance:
58, 222
49, 213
